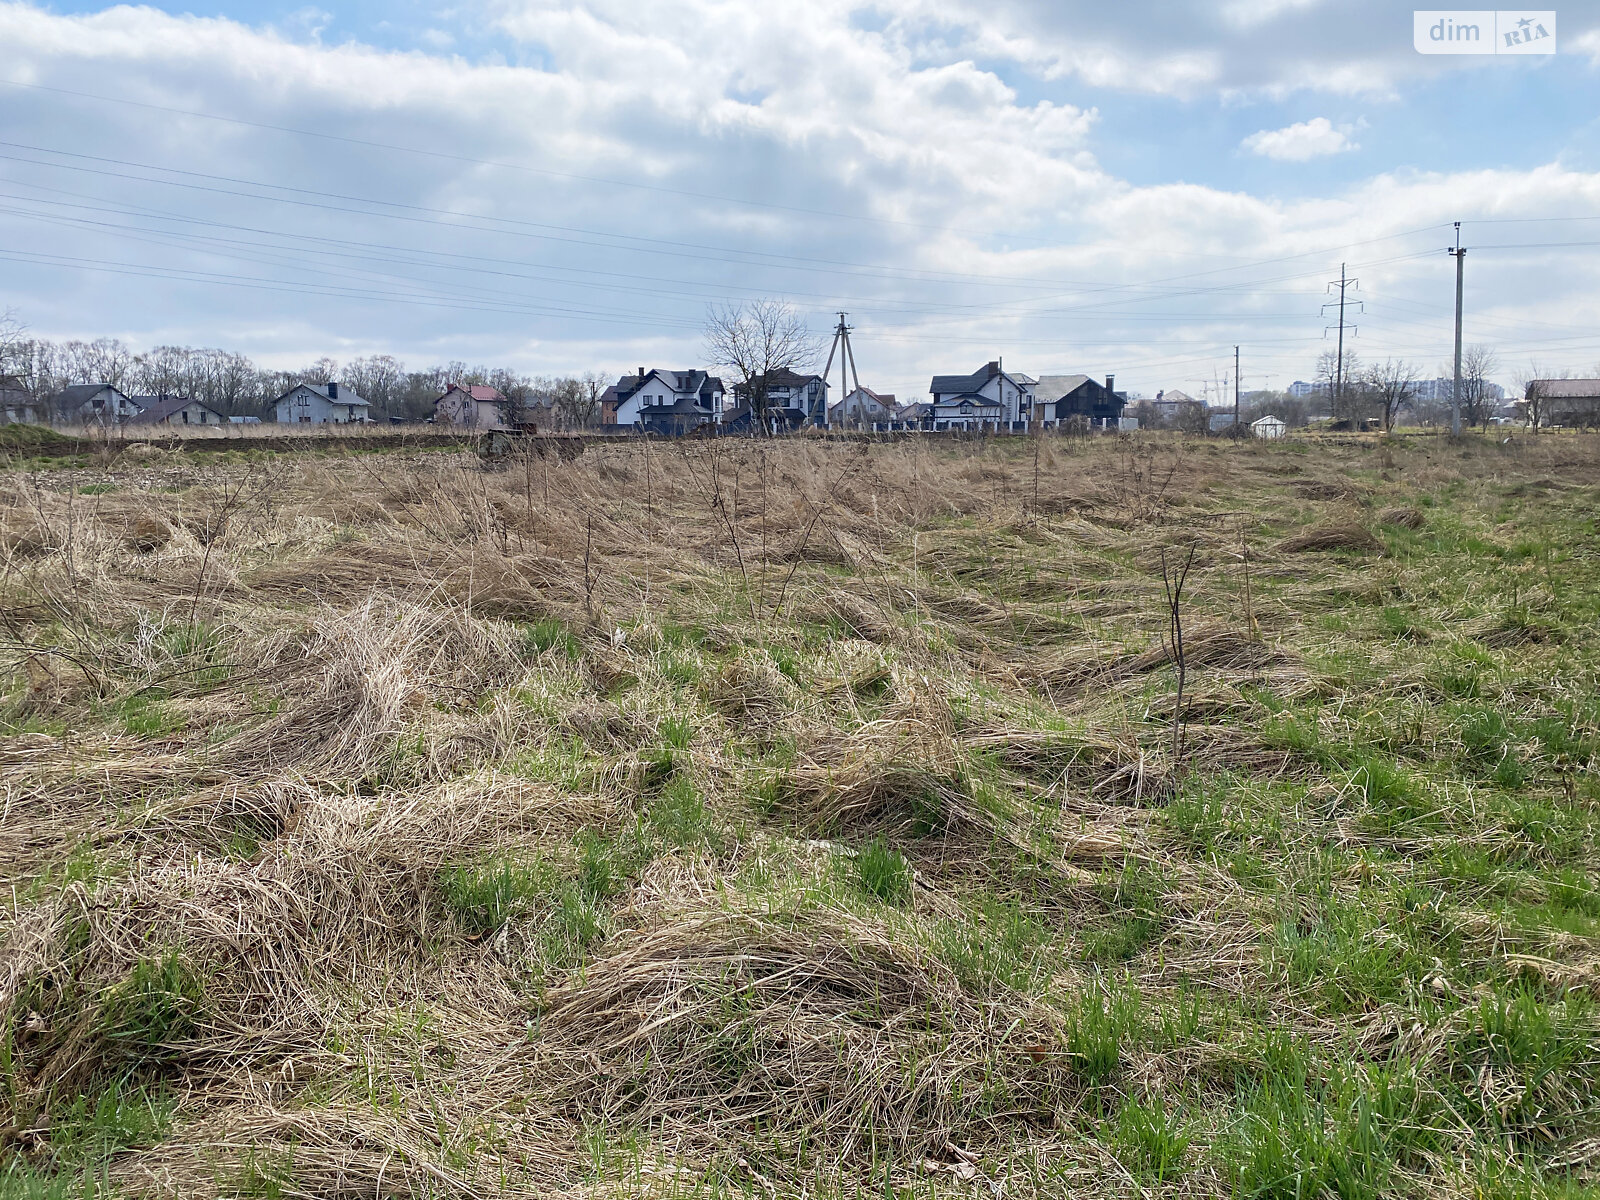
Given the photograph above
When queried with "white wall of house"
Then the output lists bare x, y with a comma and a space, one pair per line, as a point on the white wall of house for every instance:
1014, 397
658, 390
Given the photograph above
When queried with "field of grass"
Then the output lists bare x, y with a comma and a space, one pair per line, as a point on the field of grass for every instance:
805, 819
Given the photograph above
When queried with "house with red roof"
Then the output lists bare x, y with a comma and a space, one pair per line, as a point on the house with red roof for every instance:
473, 406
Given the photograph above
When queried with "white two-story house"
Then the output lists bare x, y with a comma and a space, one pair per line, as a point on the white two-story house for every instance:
663, 401
989, 398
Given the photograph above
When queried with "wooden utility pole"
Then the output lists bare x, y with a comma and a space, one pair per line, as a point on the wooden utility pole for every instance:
1460, 256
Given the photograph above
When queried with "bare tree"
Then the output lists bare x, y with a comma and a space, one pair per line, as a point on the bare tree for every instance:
1347, 394
379, 380
1478, 362
13, 336
1534, 385
1392, 385
754, 340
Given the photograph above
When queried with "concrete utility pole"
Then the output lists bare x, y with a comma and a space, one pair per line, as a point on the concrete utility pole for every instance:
847, 363
1460, 256
1236, 389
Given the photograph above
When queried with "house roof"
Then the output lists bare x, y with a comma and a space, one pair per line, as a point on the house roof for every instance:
944, 385
1568, 389
155, 409
347, 394
1174, 396
82, 393
1269, 419
1052, 387
478, 391
700, 382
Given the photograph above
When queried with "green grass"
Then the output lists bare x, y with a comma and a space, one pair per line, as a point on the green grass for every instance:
550, 635
882, 871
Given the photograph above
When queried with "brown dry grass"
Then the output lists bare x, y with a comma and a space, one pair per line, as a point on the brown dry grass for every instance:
426, 829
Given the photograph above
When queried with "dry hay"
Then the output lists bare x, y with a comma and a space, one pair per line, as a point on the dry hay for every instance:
1215, 646
235, 954
1345, 535
384, 666
1404, 516
826, 1034
1101, 768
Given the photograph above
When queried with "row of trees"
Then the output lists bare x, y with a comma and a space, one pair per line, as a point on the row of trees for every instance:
233, 385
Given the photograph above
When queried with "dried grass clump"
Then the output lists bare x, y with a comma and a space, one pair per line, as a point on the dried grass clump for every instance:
890, 776
1405, 517
1100, 767
216, 959
859, 615
385, 666
828, 1035
1339, 536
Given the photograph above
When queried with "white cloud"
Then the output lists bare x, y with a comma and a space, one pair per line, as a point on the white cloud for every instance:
876, 170
1301, 142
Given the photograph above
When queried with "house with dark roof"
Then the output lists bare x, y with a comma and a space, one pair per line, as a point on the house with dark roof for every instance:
791, 399
661, 401
1059, 398
864, 408
473, 406
322, 404
18, 406
95, 404
175, 410
989, 398
1563, 401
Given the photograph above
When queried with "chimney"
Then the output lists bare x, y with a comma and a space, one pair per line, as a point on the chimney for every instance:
1111, 384
641, 372
333, 390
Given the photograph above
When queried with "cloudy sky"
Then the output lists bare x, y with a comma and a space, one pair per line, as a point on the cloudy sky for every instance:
566, 185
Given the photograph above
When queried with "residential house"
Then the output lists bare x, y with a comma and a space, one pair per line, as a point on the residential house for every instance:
864, 408
660, 401
18, 405
1059, 398
792, 400
1566, 401
473, 406
1269, 427
175, 410
989, 398
917, 416
322, 404
96, 404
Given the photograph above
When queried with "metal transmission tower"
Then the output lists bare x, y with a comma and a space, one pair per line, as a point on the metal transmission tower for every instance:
1460, 255
847, 361
1343, 283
